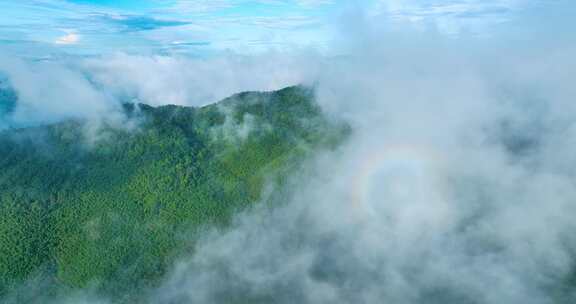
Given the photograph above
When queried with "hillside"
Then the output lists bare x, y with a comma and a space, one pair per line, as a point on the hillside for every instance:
111, 207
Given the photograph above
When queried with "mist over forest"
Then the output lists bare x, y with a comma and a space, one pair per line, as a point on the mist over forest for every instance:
288, 152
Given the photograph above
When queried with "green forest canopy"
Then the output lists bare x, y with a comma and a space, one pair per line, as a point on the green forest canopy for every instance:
112, 213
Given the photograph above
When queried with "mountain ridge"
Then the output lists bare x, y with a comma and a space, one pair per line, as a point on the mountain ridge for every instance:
134, 193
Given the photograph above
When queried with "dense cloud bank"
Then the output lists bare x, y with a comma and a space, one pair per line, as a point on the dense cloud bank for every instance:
456, 187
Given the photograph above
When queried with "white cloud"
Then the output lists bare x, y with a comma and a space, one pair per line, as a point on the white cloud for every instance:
159, 80
68, 39
49, 91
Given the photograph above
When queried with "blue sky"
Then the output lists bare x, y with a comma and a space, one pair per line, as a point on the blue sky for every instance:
48, 27
97, 26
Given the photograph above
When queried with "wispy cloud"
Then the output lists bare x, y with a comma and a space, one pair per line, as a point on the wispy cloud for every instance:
131, 23
200, 6
314, 3
148, 26
451, 16
157, 26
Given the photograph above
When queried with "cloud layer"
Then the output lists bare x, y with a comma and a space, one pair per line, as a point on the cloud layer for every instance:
456, 187
94, 88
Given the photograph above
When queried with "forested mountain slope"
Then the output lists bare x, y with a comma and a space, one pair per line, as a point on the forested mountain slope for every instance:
111, 207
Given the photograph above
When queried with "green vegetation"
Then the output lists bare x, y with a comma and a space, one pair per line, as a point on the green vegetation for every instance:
112, 213
7, 99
